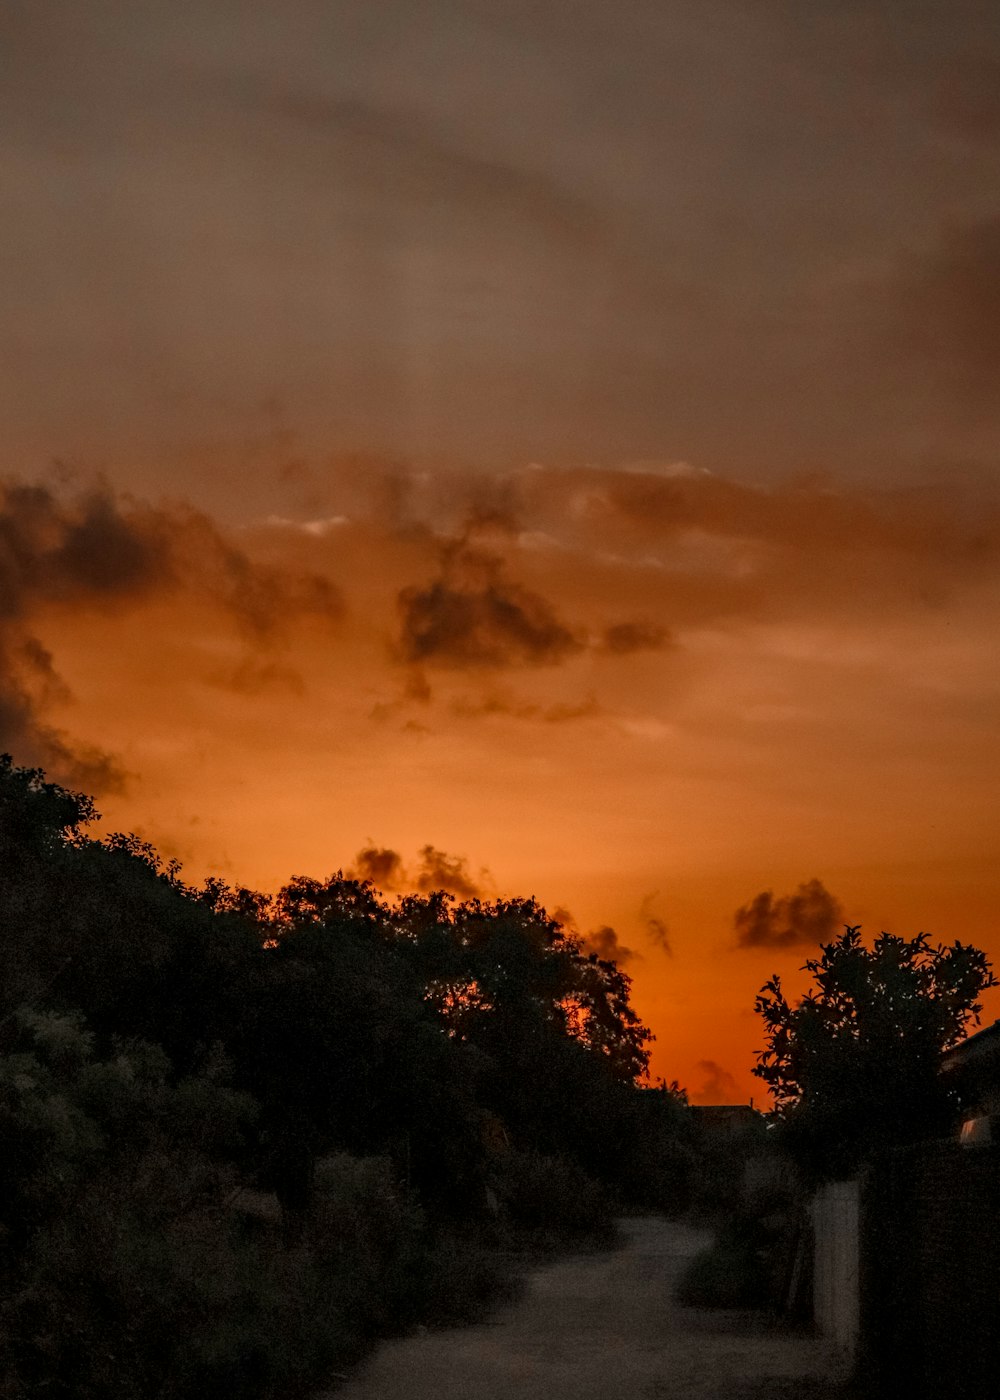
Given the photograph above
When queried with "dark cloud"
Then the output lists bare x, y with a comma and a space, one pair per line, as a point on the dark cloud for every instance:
473, 615
621, 638
25, 689
810, 915
382, 865
84, 550
718, 1085
434, 870
437, 870
37, 659
604, 941
659, 934
73, 548
656, 929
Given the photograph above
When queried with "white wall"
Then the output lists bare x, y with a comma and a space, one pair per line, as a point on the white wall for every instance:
835, 1216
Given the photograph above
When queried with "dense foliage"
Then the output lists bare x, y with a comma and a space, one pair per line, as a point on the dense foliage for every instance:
240, 1134
855, 1065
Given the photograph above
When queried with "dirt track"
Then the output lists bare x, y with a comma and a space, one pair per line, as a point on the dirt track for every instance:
603, 1327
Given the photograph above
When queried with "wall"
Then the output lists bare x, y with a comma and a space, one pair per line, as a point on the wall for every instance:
835, 1211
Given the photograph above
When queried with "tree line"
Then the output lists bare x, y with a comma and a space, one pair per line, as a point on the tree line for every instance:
416, 1085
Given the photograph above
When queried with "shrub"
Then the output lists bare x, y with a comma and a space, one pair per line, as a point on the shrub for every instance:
115, 1307
732, 1272
391, 1268
368, 1237
553, 1199
462, 1278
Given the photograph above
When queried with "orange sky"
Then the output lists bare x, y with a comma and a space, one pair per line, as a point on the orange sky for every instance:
643, 695
564, 443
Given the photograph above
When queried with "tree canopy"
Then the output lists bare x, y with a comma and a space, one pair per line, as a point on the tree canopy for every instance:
855, 1065
458, 1066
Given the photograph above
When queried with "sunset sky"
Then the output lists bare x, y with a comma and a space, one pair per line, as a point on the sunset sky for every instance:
541, 448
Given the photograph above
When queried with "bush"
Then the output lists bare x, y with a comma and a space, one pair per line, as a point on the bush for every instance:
114, 1307
732, 1272
553, 1199
389, 1266
463, 1277
368, 1237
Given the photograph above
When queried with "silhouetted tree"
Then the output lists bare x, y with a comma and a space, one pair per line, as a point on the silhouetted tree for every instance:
162, 1048
854, 1066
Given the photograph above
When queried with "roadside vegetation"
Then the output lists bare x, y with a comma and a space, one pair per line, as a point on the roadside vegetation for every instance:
853, 1069
241, 1136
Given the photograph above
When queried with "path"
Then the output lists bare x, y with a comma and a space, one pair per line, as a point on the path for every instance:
605, 1327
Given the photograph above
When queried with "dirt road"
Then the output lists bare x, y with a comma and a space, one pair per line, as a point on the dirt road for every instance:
605, 1327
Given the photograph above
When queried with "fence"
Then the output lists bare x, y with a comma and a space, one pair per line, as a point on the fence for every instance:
930, 1272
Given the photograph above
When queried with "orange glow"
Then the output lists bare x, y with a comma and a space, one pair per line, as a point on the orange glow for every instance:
456, 1003
577, 1015
663, 694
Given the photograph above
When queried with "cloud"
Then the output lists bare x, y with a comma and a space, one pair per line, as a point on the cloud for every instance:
25, 733
438, 870
656, 929
382, 865
86, 549
566, 712
473, 615
262, 599
726, 544
622, 638
647, 562
434, 870
604, 941
70, 548
659, 934
718, 1086
810, 915
384, 147
252, 677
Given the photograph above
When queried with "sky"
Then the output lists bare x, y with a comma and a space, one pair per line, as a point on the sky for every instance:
539, 449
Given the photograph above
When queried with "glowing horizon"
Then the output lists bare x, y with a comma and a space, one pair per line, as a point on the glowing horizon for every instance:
648, 738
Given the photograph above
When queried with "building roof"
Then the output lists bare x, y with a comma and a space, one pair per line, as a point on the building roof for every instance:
725, 1110
983, 1046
